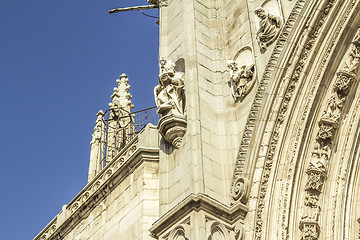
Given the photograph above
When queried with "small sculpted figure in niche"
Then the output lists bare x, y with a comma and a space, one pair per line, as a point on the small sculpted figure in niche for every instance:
353, 65
269, 28
169, 94
241, 79
333, 109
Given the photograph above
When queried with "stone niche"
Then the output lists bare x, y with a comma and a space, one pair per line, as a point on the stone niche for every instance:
242, 73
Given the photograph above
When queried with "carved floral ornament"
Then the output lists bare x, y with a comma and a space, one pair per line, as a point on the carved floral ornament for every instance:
328, 124
170, 100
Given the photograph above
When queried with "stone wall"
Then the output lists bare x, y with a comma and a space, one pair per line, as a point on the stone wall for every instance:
121, 202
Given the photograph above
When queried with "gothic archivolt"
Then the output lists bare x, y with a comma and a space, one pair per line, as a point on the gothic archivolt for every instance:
309, 111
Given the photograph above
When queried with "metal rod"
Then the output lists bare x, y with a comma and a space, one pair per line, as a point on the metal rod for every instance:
132, 8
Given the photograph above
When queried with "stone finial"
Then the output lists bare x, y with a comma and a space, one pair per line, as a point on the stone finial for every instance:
121, 96
98, 129
97, 146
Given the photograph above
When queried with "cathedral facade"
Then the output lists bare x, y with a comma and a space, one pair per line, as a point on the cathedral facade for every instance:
255, 134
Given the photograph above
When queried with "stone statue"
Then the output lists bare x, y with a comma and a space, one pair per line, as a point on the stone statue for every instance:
242, 79
170, 100
269, 28
169, 94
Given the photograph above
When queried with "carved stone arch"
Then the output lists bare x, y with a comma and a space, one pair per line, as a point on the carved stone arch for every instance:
345, 207
245, 55
180, 65
277, 141
218, 232
274, 7
179, 233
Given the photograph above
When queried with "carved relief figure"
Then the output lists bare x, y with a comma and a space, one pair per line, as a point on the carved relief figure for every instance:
241, 79
333, 109
269, 28
169, 94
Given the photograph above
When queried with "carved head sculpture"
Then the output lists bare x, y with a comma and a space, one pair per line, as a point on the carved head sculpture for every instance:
260, 12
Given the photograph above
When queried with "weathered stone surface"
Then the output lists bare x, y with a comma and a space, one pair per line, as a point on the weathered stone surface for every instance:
280, 162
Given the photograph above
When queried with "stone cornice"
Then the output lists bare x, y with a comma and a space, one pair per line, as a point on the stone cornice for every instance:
198, 202
113, 174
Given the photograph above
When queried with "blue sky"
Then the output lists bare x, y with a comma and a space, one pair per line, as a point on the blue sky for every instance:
58, 65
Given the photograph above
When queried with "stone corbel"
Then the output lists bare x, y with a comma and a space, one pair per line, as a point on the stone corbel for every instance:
172, 127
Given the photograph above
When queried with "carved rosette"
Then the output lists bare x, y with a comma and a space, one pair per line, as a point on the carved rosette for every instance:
343, 82
315, 180
310, 230
327, 128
